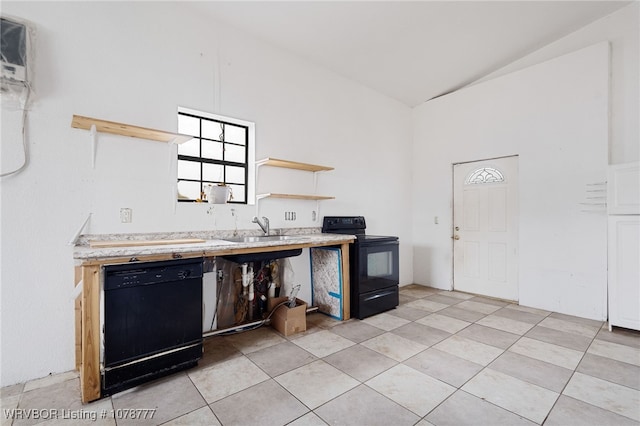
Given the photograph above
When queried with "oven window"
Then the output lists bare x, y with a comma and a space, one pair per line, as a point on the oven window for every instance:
380, 264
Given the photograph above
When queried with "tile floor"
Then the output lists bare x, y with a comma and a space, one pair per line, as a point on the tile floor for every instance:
441, 358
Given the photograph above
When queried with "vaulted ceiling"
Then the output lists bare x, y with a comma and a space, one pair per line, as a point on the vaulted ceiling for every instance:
411, 51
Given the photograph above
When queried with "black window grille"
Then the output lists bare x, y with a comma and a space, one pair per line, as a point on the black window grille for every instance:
217, 154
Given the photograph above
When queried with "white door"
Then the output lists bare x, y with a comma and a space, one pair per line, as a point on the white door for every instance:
485, 234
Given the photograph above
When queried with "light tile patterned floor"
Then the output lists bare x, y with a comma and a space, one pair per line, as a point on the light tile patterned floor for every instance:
441, 358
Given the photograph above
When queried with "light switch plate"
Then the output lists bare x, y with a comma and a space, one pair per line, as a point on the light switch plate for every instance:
125, 215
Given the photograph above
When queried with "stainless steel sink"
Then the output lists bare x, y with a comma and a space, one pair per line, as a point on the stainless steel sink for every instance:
261, 238
270, 255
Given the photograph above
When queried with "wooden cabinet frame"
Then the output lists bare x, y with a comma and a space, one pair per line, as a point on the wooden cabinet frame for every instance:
87, 306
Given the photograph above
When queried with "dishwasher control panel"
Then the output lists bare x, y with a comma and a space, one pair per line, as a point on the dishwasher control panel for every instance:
127, 275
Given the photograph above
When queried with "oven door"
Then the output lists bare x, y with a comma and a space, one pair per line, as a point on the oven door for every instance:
378, 265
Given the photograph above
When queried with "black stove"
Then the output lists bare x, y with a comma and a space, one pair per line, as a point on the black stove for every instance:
375, 238
373, 264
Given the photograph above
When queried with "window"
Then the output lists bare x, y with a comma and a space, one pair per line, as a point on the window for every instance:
221, 152
484, 175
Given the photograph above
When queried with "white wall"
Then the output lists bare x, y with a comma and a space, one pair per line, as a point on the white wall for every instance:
622, 30
136, 62
554, 117
432, 250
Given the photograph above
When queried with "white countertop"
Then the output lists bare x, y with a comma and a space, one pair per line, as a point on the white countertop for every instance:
210, 247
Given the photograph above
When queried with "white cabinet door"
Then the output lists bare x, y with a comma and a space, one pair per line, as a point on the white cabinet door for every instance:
624, 271
623, 191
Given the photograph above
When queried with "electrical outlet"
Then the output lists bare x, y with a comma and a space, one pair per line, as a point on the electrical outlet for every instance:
289, 215
125, 215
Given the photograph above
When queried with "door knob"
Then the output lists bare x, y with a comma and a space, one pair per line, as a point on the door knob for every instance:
456, 237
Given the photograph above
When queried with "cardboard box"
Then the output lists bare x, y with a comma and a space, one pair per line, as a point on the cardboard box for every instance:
288, 320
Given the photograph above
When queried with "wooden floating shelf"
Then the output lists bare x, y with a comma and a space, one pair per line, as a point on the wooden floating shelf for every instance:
275, 162
294, 196
104, 126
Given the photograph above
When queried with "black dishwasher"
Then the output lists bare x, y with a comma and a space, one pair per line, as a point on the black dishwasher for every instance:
152, 321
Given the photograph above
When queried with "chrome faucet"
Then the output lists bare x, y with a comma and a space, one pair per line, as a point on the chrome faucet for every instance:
265, 226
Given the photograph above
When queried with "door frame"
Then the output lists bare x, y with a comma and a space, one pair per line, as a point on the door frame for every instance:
453, 165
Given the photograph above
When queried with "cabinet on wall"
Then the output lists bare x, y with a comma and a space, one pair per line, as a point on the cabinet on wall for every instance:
624, 245
623, 189
624, 271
